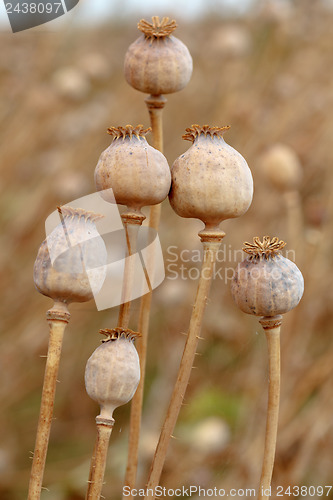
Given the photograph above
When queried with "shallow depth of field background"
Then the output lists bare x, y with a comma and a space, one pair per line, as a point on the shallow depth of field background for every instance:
269, 75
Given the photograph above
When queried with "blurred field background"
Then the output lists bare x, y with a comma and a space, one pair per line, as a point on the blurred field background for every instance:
269, 75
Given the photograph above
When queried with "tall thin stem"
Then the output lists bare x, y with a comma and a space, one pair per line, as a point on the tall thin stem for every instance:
97, 470
211, 243
155, 106
132, 222
57, 318
272, 331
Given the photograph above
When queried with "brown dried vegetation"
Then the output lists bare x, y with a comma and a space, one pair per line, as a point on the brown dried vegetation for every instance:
275, 89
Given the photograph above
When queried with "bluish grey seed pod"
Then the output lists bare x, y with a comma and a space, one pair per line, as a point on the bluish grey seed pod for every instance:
266, 283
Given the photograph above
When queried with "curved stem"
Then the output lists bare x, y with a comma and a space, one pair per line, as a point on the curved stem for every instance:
272, 331
155, 106
97, 470
58, 318
211, 247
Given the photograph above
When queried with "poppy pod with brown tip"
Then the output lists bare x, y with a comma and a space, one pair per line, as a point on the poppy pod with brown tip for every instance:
266, 283
138, 174
113, 370
64, 259
211, 181
158, 62
70, 267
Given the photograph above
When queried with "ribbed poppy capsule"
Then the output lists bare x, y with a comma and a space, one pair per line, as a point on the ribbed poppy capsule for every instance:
158, 62
266, 283
211, 181
113, 371
137, 173
64, 259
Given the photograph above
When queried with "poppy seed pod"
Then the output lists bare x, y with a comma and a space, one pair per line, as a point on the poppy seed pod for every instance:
211, 181
282, 167
74, 247
137, 173
157, 62
266, 283
113, 371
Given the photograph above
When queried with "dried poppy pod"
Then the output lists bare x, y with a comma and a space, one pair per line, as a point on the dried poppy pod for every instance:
70, 267
157, 62
113, 371
211, 181
73, 248
266, 283
282, 167
138, 174
112, 376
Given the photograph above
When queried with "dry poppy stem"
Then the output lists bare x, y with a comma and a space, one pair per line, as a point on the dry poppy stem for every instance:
132, 222
211, 243
58, 318
95, 483
111, 378
271, 325
155, 106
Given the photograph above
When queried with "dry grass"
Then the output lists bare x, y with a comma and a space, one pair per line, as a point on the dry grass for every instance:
275, 85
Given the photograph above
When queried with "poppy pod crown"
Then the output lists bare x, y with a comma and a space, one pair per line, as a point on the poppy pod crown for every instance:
113, 370
137, 173
158, 62
266, 283
73, 248
211, 181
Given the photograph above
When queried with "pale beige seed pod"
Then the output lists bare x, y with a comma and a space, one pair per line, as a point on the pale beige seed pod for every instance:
211, 181
71, 262
266, 283
113, 371
138, 174
158, 62
282, 167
